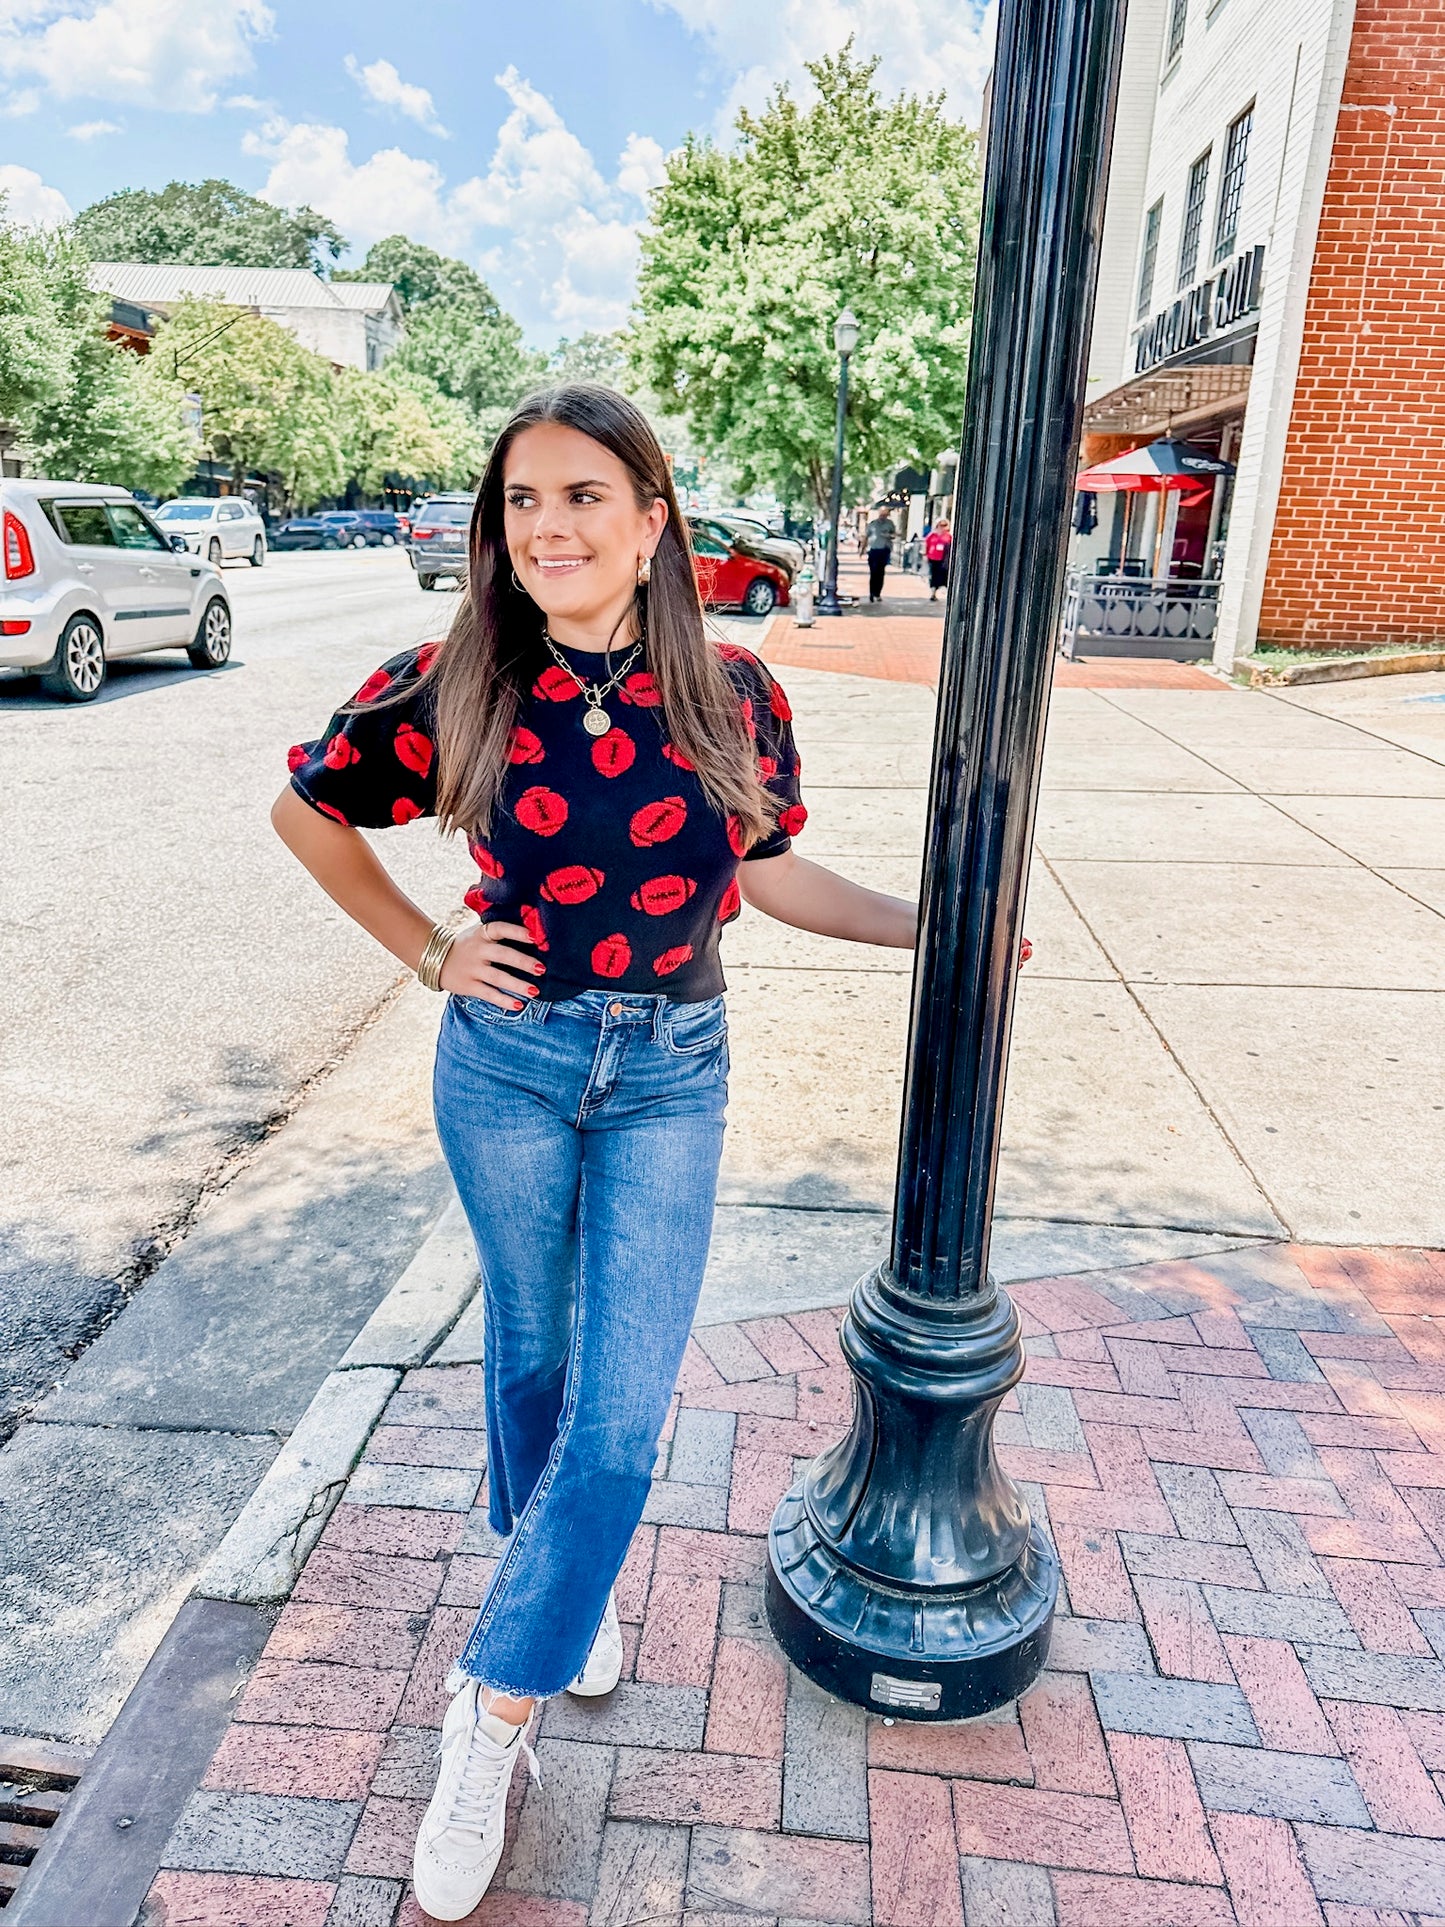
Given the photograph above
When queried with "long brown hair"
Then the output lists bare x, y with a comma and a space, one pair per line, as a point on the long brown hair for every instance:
481, 671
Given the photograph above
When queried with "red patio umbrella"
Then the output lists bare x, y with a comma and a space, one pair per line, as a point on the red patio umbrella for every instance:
1165, 464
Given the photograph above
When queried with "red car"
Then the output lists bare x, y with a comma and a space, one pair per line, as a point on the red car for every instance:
728, 576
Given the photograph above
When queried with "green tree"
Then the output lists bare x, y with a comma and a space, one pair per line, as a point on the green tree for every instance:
35, 351
403, 432
206, 224
113, 418
459, 337
267, 403
750, 255
592, 357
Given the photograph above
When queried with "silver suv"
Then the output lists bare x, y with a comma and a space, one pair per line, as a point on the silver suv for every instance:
86, 575
222, 528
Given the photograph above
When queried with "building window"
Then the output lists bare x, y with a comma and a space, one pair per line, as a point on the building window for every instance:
1150, 258
1231, 183
1193, 218
1178, 15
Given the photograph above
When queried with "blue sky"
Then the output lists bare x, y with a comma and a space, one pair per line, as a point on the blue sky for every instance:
521, 137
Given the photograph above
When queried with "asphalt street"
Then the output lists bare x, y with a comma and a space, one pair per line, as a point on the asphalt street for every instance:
172, 979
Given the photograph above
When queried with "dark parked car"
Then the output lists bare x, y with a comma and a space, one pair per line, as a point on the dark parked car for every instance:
438, 543
305, 532
351, 527
382, 526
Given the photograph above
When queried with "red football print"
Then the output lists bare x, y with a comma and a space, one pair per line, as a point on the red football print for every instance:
375, 683
297, 755
780, 705
656, 822
747, 708
730, 652
675, 755
671, 960
485, 861
659, 895
326, 810
341, 753
414, 749
731, 902
542, 810
574, 883
526, 746
612, 956
554, 685
736, 841
640, 688
532, 918
614, 752
403, 810
426, 656
767, 766
476, 899
792, 819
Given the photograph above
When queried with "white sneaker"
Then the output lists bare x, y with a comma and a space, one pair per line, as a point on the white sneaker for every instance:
460, 1838
603, 1666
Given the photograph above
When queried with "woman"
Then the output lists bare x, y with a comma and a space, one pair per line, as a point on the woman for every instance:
623, 782
878, 541
937, 546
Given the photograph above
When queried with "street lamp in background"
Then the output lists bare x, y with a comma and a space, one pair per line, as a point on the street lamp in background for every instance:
845, 340
904, 1571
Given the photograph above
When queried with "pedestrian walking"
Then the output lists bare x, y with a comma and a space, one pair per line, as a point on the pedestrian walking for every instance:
937, 547
878, 541
625, 782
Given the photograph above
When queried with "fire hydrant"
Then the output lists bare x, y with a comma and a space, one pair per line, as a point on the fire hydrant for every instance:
803, 590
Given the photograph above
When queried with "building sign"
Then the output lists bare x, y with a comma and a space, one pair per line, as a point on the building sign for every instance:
1211, 307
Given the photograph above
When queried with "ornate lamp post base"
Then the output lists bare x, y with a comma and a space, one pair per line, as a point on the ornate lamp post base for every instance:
904, 1573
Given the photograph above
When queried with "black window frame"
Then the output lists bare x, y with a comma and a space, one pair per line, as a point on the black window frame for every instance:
1178, 22
1149, 258
1231, 183
1191, 233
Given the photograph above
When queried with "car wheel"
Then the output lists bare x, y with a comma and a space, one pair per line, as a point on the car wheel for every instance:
258, 553
76, 672
358, 541
213, 553
425, 581
212, 645
330, 542
388, 541
761, 598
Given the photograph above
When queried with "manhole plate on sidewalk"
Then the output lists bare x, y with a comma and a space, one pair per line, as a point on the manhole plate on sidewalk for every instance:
37, 1777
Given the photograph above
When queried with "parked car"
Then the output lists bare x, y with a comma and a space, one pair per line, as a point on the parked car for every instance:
731, 575
382, 527
307, 532
755, 534
350, 527
223, 528
86, 575
438, 541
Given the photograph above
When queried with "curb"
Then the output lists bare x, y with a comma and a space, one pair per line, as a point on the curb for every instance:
1357, 667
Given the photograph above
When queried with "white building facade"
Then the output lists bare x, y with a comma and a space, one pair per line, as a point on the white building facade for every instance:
353, 324
1222, 150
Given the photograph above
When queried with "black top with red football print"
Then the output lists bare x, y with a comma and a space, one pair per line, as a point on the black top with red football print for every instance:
604, 847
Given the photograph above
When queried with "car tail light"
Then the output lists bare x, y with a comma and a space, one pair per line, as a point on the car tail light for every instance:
19, 557
422, 535
14, 628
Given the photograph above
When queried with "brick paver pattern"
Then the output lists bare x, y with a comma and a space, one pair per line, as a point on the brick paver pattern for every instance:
1242, 1463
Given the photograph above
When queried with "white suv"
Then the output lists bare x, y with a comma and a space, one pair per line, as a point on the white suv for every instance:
222, 528
86, 575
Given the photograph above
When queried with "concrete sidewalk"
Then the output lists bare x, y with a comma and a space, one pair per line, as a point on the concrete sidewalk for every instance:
1243, 1718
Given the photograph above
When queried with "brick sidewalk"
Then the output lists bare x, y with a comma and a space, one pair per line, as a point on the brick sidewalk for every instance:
1242, 1462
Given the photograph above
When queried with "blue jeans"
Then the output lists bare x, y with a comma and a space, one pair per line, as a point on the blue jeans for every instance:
584, 1139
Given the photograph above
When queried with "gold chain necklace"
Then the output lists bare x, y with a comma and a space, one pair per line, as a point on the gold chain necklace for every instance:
595, 719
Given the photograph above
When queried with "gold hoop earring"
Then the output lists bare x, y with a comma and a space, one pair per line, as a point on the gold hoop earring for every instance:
644, 571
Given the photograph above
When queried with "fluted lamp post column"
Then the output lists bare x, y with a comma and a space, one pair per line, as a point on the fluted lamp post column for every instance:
845, 340
904, 1571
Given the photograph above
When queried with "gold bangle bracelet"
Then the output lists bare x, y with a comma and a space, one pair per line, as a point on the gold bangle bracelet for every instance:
438, 946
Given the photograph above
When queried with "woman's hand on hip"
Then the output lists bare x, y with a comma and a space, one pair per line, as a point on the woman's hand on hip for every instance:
485, 962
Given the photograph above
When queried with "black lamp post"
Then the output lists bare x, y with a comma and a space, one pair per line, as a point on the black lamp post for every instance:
904, 1571
845, 340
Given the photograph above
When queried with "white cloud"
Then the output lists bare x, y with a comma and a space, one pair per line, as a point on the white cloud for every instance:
926, 46
172, 54
28, 201
556, 234
382, 83
91, 130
